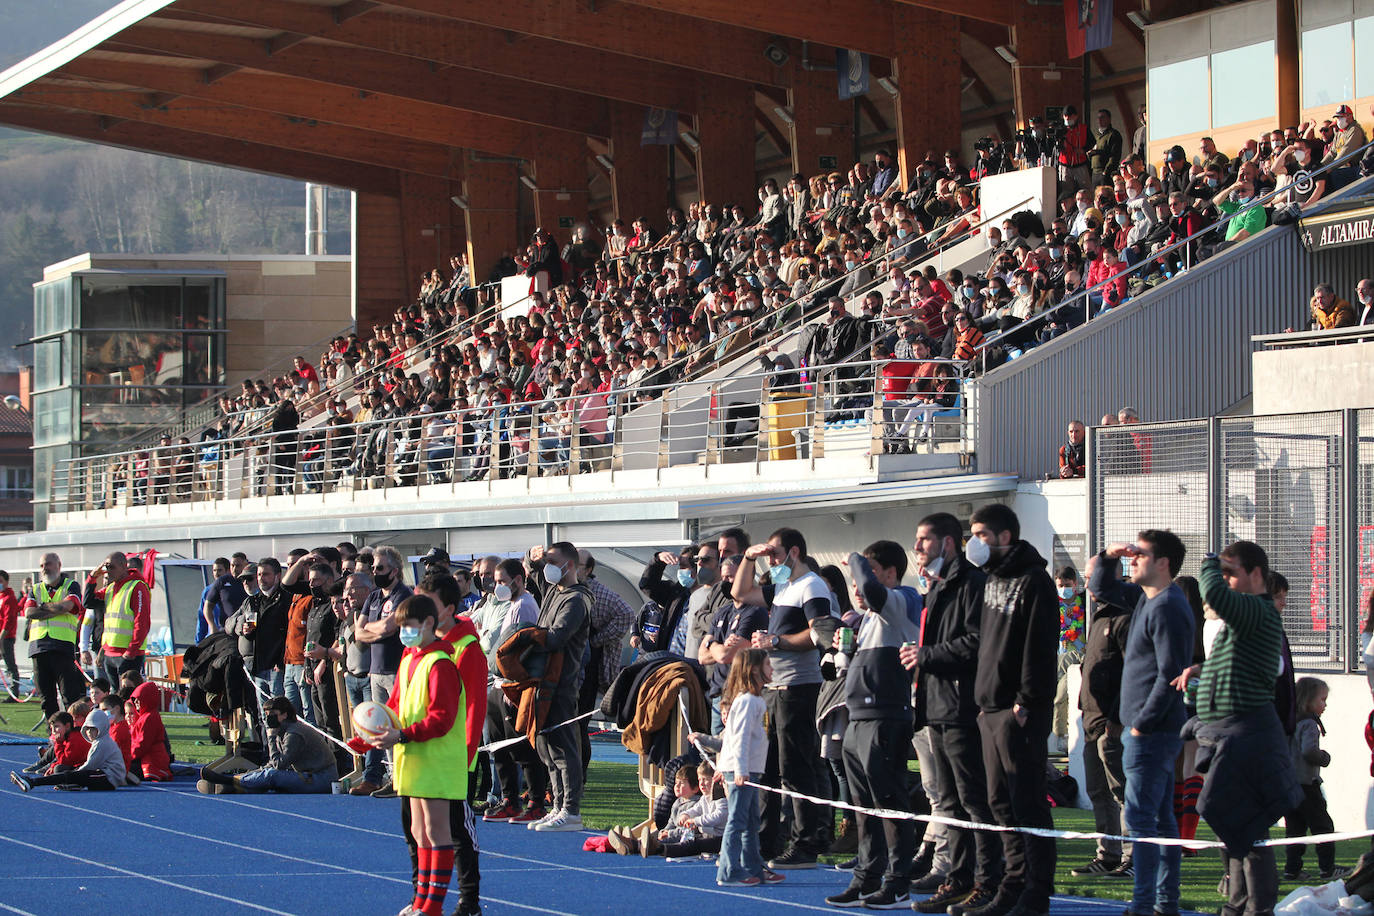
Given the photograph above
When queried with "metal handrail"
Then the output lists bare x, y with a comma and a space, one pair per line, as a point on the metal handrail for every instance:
1181, 243
76, 481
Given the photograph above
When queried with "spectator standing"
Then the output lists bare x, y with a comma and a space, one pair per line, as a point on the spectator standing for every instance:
1104, 158
878, 696
378, 630
1308, 758
260, 625
128, 616
1159, 648
609, 619
1014, 688
1071, 644
54, 613
1073, 459
1099, 697
944, 664
1073, 155
222, 597
565, 616
799, 620
1249, 779
9, 627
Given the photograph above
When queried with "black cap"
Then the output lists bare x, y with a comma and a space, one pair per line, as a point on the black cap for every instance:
437, 556
1175, 154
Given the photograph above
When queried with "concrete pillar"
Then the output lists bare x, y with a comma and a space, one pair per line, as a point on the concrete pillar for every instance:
1043, 76
560, 171
639, 180
823, 124
928, 77
1289, 73
725, 128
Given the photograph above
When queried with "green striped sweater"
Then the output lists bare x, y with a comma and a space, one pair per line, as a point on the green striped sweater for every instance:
1239, 674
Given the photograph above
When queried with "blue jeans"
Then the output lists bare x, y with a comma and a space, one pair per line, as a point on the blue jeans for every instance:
739, 846
271, 779
1148, 761
298, 692
270, 682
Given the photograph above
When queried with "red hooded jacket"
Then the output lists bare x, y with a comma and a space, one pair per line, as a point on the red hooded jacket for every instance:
148, 738
9, 613
70, 751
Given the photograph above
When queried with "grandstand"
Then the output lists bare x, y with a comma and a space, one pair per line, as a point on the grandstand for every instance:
693, 286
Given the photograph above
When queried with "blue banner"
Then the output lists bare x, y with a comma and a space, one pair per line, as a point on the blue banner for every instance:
1088, 25
660, 127
852, 67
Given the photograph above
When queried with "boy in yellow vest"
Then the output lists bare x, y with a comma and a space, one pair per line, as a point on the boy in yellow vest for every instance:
430, 747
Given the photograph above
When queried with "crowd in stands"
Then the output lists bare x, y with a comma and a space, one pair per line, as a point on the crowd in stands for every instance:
615, 317
817, 680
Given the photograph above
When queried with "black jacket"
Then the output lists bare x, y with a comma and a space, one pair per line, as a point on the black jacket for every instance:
947, 662
263, 649
213, 669
657, 621
1019, 648
1099, 696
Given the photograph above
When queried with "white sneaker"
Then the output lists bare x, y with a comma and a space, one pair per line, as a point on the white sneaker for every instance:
561, 822
535, 825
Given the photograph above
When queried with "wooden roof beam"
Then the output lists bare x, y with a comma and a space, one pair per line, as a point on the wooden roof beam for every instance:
166, 141
864, 25
452, 43
304, 135
623, 28
393, 74
1000, 12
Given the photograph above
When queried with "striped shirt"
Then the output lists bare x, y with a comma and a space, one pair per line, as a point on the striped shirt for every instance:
1239, 674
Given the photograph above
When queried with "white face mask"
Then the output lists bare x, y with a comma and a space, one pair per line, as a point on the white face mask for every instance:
977, 551
1366, 298
1301, 156
553, 574
934, 566
502, 592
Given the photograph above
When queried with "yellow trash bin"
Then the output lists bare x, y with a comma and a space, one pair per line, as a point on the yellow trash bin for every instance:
786, 414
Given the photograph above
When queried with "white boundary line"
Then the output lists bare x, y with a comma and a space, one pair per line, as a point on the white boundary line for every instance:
14, 909
540, 862
133, 874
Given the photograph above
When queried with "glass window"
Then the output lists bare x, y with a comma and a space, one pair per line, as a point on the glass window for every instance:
51, 364
198, 302
1180, 99
1364, 57
52, 417
204, 360
125, 302
1327, 66
132, 357
53, 303
16, 482
1243, 84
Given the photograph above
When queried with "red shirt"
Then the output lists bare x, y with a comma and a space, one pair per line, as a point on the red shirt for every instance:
9, 613
70, 751
308, 373
472, 670
896, 379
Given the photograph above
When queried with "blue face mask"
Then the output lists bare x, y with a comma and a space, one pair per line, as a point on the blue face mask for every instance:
685, 578
901, 233
410, 636
780, 574
1055, 253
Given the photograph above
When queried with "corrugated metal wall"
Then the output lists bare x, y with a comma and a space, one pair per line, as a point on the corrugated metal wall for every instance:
1182, 350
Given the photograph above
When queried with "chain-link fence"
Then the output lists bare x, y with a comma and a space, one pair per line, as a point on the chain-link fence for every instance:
1298, 485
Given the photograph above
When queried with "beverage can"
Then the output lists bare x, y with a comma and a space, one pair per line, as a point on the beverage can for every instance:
847, 640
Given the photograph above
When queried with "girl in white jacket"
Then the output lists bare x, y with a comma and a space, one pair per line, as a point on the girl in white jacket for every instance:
744, 748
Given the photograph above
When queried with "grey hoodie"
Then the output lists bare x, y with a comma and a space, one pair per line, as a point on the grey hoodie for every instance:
105, 754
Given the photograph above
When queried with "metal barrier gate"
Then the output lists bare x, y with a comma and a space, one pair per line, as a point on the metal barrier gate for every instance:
1299, 485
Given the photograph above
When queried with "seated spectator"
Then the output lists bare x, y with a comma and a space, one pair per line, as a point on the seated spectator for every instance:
1233, 199
299, 759
102, 768
1328, 310
148, 742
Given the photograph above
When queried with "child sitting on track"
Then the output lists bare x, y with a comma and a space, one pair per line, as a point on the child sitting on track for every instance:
431, 754
65, 748
147, 736
102, 770
112, 704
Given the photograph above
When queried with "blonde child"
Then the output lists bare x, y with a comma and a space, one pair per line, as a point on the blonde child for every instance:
1311, 815
743, 750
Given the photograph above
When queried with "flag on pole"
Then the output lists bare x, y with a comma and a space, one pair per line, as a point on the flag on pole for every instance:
1087, 25
852, 67
660, 127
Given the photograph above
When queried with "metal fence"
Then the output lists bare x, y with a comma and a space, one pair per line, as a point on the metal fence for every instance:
1299, 485
811, 413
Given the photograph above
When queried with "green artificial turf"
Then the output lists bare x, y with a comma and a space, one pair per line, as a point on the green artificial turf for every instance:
183, 730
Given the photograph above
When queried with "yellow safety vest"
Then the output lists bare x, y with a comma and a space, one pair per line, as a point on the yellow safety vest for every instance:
437, 768
63, 627
119, 618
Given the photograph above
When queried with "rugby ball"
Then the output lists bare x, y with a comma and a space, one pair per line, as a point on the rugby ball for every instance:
373, 719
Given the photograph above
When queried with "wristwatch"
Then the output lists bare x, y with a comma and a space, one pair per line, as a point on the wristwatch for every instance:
776, 640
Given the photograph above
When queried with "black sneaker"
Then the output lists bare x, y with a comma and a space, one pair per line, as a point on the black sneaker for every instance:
848, 864
21, 781
792, 860
1337, 871
946, 896
1125, 870
986, 903
852, 896
928, 883
887, 898
468, 909
1098, 866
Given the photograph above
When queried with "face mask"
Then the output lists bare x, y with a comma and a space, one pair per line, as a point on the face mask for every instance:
1243, 200
707, 575
901, 233
1056, 253
850, 265
553, 574
1022, 289
1066, 592
1082, 206
1342, 123
383, 579
1366, 298
1300, 156
502, 592
320, 593
1121, 219
1246, 155
977, 551
486, 583
934, 567
410, 636
1211, 182
780, 574
686, 578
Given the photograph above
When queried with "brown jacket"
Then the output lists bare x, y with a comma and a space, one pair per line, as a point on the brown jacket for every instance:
658, 704
531, 692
